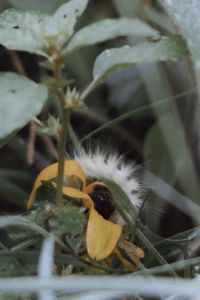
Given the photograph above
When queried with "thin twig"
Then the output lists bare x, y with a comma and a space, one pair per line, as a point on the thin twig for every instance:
31, 143
61, 155
17, 62
50, 146
88, 90
32, 134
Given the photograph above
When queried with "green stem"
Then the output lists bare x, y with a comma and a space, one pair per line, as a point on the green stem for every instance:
62, 139
61, 161
88, 90
61, 154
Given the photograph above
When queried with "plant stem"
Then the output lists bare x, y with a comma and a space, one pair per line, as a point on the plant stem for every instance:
88, 90
61, 154
57, 72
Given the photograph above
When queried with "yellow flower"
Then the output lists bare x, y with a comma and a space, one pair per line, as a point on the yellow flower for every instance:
101, 235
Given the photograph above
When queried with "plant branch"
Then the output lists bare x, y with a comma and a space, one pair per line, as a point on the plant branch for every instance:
57, 65
88, 90
61, 155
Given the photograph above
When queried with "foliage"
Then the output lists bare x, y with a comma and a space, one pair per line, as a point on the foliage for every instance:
139, 57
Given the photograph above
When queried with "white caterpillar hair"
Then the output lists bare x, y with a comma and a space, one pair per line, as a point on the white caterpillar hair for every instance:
99, 163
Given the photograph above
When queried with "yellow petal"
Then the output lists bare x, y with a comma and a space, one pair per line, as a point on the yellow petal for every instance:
136, 252
71, 167
127, 264
102, 236
92, 186
74, 193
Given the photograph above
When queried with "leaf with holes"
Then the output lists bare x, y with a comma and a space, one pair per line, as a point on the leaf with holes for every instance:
20, 30
21, 99
35, 32
59, 27
167, 48
109, 29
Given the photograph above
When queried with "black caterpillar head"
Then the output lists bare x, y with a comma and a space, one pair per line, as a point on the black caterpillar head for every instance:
102, 199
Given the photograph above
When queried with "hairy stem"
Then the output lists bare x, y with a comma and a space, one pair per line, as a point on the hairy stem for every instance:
62, 139
61, 155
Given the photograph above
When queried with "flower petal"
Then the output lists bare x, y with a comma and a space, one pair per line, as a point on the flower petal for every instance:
92, 186
74, 193
134, 251
71, 167
102, 236
127, 264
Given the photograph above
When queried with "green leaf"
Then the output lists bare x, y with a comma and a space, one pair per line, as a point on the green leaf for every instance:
10, 191
122, 202
20, 30
186, 16
109, 29
19, 221
70, 220
170, 155
129, 214
146, 12
5, 140
61, 25
35, 32
45, 6
21, 100
9, 266
170, 195
136, 113
167, 48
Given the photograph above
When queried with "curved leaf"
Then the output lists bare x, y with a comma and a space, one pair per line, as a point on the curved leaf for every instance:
167, 48
21, 99
34, 32
45, 6
186, 16
61, 25
22, 30
109, 29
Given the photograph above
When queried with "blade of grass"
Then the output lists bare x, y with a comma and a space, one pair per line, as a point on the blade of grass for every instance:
74, 137
158, 286
178, 266
172, 196
129, 214
45, 267
132, 113
136, 8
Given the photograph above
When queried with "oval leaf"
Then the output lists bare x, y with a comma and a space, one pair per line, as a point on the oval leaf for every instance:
20, 30
109, 29
45, 6
185, 14
36, 32
167, 48
61, 24
21, 99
